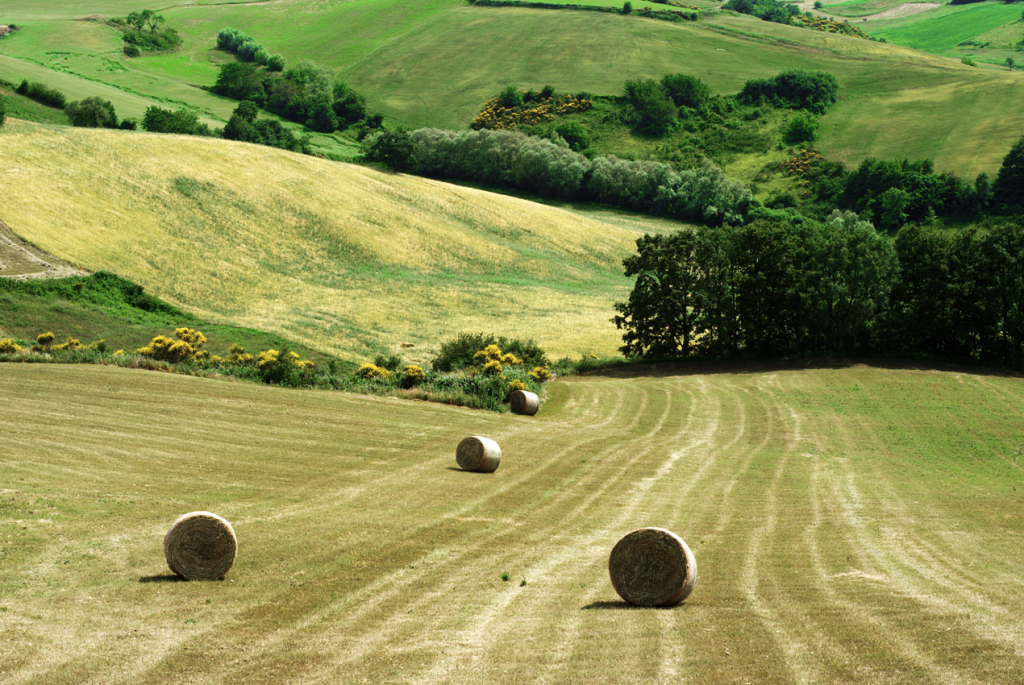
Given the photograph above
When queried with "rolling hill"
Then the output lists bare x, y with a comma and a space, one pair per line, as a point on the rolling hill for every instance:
339, 257
435, 62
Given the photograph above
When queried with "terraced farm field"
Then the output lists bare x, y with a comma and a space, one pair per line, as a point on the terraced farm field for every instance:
851, 524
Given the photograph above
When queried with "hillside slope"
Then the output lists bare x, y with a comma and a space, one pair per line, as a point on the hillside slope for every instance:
850, 525
435, 62
340, 257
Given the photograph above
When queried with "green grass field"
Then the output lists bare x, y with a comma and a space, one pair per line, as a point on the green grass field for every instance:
342, 258
856, 525
435, 62
941, 30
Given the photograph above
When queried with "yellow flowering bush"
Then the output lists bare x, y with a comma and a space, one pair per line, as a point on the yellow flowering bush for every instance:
119, 353
492, 367
185, 348
267, 358
44, 340
8, 346
509, 359
516, 385
495, 116
540, 374
489, 353
372, 371
238, 355
413, 376
69, 345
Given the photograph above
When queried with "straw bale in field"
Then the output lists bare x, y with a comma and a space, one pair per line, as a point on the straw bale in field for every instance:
524, 402
652, 567
200, 546
477, 453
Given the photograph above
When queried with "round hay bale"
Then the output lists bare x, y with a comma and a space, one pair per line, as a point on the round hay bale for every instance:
478, 454
652, 567
200, 546
524, 402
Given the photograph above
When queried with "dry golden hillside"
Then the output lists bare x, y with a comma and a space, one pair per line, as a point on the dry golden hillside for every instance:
341, 257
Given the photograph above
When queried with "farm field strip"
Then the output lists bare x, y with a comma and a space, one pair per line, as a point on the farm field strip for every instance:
825, 506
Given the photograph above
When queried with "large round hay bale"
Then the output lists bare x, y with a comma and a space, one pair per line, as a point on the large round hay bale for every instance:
524, 402
200, 546
478, 454
652, 567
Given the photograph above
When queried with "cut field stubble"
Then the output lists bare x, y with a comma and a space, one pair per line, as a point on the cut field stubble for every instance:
851, 525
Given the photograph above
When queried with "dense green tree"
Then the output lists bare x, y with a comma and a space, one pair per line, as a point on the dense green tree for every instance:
814, 91
322, 117
627, 7
661, 314
91, 113
649, 110
276, 63
1008, 189
686, 90
573, 133
394, 148
510, 97
803, 128
160, 120
3, 111
241, 81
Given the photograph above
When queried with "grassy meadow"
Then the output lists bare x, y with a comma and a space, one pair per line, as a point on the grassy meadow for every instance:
434, 63
851, 524
342, 258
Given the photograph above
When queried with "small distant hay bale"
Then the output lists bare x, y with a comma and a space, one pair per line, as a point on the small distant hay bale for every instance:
524, 402
652, 567
200, 546
477, 453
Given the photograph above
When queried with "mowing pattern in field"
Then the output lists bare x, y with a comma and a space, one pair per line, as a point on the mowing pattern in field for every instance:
850, 525
343, 258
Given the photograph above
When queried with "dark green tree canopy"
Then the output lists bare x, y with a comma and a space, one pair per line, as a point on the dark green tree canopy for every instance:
686, 90
91, 113
814, 91
1008, 189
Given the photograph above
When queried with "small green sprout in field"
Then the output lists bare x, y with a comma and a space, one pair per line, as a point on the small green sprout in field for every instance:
505, 577
522, 582
189, 620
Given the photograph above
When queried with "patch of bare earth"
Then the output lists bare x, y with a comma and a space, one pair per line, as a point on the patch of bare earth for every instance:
20, 259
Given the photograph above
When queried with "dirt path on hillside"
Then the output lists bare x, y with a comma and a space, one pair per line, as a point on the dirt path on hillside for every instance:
19, 259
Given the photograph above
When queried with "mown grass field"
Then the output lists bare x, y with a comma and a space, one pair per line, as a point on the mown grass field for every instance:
434, 63
339, 257
942, 29
859, 524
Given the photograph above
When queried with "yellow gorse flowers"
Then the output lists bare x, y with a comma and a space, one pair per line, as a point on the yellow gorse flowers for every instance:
495, 117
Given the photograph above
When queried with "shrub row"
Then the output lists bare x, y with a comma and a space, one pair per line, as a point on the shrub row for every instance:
42, 94
485, 382
513, 159
248, 49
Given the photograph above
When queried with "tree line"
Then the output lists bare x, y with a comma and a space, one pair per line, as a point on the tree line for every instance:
838, 287
308, 93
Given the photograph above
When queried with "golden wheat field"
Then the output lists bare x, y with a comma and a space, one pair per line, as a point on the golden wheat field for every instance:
337, 256
851, 524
